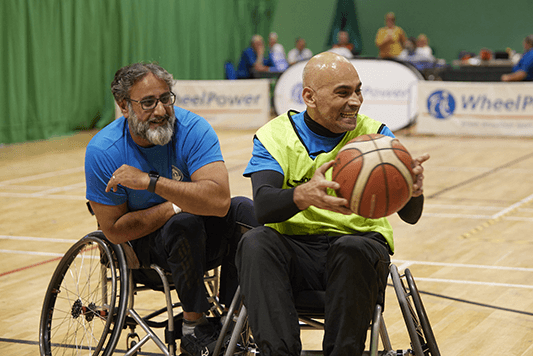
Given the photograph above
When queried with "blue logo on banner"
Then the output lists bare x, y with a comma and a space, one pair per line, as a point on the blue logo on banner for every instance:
441, 104
296, 93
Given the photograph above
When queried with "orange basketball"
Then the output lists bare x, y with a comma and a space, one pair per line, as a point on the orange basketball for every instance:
375, 175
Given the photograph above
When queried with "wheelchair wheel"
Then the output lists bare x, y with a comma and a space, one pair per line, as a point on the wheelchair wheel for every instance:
414, 328
85, 303
421, 312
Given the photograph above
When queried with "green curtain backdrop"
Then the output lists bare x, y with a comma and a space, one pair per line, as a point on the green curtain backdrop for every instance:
345, 20
59, 56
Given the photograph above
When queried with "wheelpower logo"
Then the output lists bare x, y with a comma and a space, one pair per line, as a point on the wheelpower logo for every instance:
442, 104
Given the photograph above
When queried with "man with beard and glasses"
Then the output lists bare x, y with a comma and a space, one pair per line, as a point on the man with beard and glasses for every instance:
311, 240
156, 177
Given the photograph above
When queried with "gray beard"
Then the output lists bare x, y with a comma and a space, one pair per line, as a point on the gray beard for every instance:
160, 135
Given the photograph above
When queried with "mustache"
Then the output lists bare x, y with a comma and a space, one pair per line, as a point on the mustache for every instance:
159, 118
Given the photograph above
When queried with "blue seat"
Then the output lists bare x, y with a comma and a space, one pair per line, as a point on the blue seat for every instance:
231, 73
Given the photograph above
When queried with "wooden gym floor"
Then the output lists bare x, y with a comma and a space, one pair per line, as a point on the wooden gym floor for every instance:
471, 253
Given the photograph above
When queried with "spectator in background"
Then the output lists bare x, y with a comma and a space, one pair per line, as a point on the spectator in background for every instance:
343, 40
390, 39
524, 69
409, 53
252, 59
277, 52
412, 53
343, 46
299, 53
422, 45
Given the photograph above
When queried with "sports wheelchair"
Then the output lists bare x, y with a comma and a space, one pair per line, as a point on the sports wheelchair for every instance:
89, 301
310, 307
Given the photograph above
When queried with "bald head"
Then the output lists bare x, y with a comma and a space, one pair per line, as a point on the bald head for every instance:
321, 69
332, 92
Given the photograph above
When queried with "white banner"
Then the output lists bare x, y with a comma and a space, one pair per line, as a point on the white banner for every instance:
476, 108
229, 104
390, 91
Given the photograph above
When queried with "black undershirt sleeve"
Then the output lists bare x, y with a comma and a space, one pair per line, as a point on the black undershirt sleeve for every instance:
412, 211
272, 203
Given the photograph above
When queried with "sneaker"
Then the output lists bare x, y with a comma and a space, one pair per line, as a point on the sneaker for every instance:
202, 342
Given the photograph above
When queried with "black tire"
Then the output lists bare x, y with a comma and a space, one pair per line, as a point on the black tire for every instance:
409, 315
82, 314
422, 315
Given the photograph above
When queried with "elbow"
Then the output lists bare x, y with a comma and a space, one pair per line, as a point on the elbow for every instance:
112, 237
222, 208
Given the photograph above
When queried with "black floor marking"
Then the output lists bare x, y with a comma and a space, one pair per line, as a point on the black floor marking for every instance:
483, 175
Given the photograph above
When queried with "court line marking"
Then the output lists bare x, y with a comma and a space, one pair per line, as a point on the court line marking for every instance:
491, 284
42, 176
462, 265
482, 175
33, 195
40, 239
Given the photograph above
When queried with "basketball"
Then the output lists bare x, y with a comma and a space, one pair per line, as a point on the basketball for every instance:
375, 175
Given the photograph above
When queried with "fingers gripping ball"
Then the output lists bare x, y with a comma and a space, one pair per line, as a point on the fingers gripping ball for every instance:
375, 175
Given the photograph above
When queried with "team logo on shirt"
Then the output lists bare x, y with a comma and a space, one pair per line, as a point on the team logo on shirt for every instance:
176, 174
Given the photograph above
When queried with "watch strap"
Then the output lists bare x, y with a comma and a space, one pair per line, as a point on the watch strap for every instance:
153, 180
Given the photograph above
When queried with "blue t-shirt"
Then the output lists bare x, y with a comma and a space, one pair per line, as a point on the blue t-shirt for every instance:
526, 64
194, 145
262, 160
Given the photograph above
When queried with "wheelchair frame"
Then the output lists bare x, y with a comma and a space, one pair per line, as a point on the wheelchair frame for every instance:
89, 301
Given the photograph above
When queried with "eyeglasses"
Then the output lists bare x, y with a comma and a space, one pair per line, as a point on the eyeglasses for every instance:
166, 99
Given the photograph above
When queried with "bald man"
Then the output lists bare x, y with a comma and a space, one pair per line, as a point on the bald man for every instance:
311, 240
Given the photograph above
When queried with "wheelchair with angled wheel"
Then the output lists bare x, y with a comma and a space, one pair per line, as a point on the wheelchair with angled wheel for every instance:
90, 301
310, 307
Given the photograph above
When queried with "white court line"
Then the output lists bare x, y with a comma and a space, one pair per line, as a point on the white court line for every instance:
514, 206
446, 264
39, 239
457, 207
59, 189
33, 253
33, 195
455, 216
41, 176
478, 217
491, 284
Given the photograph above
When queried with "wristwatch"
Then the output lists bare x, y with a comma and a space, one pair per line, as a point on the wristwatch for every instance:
153, 180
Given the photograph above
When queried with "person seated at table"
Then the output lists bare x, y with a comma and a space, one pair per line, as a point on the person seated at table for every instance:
422, 46
524, 69
252, 59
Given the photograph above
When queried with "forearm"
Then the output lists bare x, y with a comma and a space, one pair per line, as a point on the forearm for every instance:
203, 197
514, 77
137, 224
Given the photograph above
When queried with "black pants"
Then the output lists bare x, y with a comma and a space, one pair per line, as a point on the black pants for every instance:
352, 269
189, 245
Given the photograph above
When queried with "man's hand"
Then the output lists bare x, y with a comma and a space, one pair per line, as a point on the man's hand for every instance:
313, 193
129, 177
418, 171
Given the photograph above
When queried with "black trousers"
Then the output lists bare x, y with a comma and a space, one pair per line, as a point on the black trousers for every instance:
352, 269
189, 245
